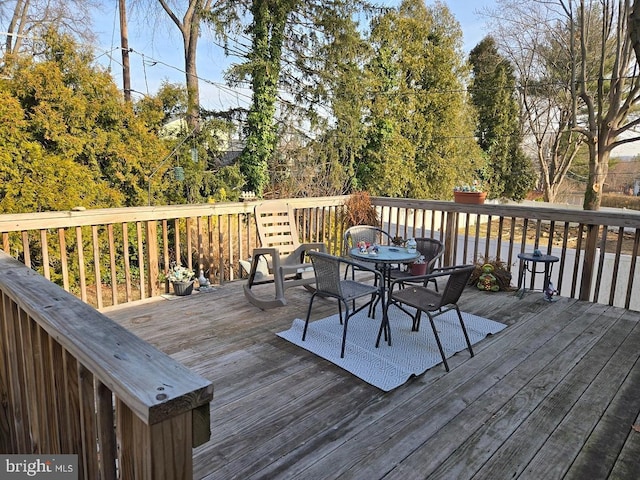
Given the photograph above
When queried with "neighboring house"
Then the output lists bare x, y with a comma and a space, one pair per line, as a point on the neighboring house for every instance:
232, 153
227, 148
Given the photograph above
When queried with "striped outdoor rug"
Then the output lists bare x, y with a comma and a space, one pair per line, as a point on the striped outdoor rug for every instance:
387, 367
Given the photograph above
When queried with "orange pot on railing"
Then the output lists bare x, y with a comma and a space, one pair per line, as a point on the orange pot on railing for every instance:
475, 198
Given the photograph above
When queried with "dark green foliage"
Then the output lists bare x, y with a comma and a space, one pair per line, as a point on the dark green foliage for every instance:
419, 129
508, 173
76, 142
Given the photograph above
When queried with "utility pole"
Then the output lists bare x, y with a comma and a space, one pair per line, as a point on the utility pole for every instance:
124, 47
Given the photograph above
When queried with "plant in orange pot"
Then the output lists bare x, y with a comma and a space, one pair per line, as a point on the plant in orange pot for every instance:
469, 194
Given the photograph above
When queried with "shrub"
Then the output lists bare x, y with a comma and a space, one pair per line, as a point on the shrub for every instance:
360, 211
620, 201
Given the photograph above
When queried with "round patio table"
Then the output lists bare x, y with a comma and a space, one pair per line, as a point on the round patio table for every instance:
384, 259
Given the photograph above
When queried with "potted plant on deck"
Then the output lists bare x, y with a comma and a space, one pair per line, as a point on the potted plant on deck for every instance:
182, 279
494, 268
419, 267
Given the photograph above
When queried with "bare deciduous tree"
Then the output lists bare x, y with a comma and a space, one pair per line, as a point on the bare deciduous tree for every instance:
26, 19
523, 33
587, 54
189, 26
610, 97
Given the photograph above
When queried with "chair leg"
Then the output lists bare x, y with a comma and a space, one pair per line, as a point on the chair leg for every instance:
416, 321
346, 272
306, 322
372, 308
464, 330
344, 335
435, 333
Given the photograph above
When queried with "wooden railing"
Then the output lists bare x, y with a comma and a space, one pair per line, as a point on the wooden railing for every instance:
112, 256
74, 382
127, 249
598, 251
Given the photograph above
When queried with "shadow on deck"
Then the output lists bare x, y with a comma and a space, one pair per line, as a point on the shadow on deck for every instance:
554, 395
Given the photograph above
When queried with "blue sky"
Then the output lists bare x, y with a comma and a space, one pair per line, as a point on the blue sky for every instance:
158, 56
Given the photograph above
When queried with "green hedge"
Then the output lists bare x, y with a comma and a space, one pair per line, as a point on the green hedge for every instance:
620, 201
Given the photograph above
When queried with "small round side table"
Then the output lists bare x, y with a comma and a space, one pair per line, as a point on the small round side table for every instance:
529, 263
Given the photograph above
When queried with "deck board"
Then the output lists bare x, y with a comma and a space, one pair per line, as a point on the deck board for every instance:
554, 395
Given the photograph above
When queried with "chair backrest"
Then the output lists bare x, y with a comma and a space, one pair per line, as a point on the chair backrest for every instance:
431, 249
364, 233
276, 224
456, 282
327, 271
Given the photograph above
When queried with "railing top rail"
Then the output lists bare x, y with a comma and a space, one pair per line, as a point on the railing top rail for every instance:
151, 383
106, 216
605, 216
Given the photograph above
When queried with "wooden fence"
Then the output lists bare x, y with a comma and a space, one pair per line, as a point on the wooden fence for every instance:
112, 256
598, 251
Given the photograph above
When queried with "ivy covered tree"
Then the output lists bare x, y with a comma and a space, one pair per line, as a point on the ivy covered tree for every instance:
508, 172
295, 48
269, 20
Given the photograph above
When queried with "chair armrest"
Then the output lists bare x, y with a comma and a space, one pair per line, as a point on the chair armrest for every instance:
319, 246
435, 273
265, 251
271, 252
302, 250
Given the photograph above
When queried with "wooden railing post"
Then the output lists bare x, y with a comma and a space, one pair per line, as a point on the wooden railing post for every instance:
152, 258
588, 262
450, 233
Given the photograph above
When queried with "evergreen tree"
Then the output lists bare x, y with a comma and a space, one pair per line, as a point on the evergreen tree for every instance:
69, 138
508, 172
420, 129
339, 81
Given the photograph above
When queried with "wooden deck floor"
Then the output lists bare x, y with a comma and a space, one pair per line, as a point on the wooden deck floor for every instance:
554, 395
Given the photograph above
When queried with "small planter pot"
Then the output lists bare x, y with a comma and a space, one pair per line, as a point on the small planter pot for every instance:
475, 198
418, 269
182, 288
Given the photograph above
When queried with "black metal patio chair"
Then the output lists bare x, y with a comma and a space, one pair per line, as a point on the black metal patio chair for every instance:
431, 302
362, 233
431, 249
330, 284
